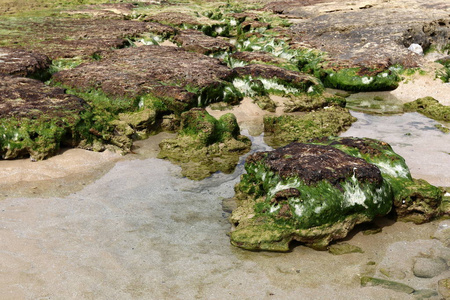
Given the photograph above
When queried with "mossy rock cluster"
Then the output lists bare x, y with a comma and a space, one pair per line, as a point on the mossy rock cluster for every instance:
316, 193
205, 145
285, 129
429, 107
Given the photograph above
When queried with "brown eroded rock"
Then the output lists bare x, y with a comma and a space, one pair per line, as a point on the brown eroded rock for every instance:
196, 41
375, 34
24, 97
67, 38
22, 63
158, 70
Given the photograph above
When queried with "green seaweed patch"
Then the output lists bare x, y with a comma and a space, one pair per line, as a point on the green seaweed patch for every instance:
260, 86
352, 80
325, 122
313, 205
205, 145
113, 121
429, 107
37, 138
414, 200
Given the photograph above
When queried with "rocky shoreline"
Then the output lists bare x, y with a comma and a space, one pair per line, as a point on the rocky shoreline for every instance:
183, 81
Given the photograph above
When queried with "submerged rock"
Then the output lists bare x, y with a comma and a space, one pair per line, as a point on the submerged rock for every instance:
429, 107
205, 145
316, 193
284, 129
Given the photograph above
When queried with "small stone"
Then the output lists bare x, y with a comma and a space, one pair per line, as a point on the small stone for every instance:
429, 267
444, 288
344, 248
425, 294
392, 285
416, 48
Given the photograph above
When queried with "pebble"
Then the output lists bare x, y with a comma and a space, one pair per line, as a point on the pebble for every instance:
425, 267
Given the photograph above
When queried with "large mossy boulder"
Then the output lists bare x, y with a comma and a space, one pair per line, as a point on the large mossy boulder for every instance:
205, 145
316, 193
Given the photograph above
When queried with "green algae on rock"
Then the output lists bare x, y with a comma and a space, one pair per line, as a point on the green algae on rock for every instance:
316, 193
205, 145
35, 119
350, 79
429, 107
329, 121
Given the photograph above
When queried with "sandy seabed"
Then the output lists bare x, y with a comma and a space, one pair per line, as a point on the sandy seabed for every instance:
86, 225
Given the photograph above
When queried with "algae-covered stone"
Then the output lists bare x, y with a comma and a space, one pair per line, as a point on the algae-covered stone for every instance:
344, 248
429, 107
316, 193
205, 145
392, 285
35, 119
284, 129
351, 80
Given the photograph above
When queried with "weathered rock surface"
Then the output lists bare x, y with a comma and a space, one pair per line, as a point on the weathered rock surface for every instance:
430, 107
22, 63
194, 40
316, 193
35, 118
373, 34
205, 145
321, 123
182, 79
105, 10
426, 267
67, 38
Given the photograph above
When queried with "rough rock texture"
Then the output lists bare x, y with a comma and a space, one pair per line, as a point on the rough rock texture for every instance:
316, 193
370, 34
35, 119
362, 41
64, 38
321, 123
429, 107
205, 145
181, 78
106, 10
295, 80
22, 63
24, 97
194, 40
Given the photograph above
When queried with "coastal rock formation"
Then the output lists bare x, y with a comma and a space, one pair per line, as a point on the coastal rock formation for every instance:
367, 38
181, 79
197, 41
69, 38
316, 193
22, 63
35, 118
329, 121
205, 145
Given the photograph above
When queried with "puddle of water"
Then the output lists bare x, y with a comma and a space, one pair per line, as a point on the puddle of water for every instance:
375, 103
415, 137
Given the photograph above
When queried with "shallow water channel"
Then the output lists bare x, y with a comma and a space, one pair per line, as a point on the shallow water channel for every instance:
143, 232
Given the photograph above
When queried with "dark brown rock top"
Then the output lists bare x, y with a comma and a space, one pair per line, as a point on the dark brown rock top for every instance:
134, 71
24, 97
22, 63
197, 41
314, 163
